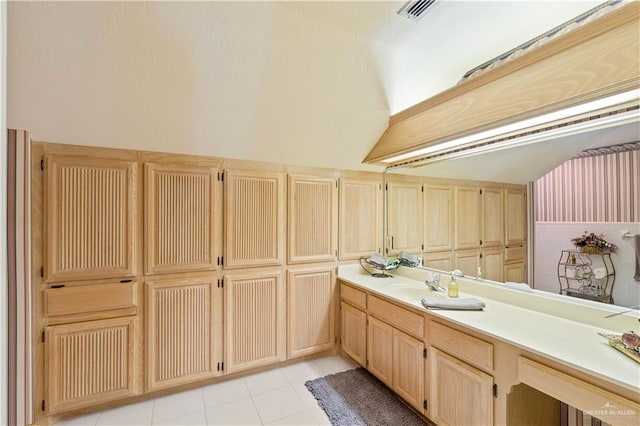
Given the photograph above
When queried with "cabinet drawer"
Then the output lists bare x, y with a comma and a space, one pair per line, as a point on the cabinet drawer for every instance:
396, 316
463, 346
514, 254
354, 297
89, 299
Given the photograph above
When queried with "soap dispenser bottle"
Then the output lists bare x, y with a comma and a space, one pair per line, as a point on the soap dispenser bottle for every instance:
453, 287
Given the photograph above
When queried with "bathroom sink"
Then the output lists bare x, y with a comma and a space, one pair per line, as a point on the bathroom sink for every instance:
411, 292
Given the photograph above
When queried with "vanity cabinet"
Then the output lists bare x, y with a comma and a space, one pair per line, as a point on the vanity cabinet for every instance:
310, 311
438, 217
254, 320
360, 218
90, 362
380, 350
467, 217
404, 217
353, 333
90, 221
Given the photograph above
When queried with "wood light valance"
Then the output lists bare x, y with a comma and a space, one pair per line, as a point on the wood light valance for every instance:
595, 60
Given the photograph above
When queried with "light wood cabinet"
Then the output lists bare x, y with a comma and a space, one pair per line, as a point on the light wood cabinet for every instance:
467, 217
310, 307
408, 368
182, 334
254, 218
89, 363
380, 350
360, 227
515, 272
353, 334
439, 260
312, 219
492, 263
492, 217
90, 218
254, 320
460, 394
467, 261
515, 230
180, 219
438, 217
404, 217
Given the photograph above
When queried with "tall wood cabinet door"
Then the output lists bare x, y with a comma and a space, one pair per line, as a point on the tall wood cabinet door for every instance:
492, 262
460, 394
310, 320
438, 217
353, 334
492, 217
89, 363
404, 217
467, 217
515, 272
180, 331
380, 350
254, 218
360, 227
467, 261
439, 260
180, 226
91, 218
515, 216
408, 368
312, 219
254, 327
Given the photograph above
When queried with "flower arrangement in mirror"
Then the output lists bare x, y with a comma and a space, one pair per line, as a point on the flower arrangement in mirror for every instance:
589, 242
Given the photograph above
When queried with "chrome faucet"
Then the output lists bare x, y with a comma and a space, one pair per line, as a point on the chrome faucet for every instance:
434, 283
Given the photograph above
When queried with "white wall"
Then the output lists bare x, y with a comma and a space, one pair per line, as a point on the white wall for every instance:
248, 80
552, 237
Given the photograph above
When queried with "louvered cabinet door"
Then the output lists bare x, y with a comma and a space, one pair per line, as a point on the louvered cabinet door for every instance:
467, 217
408, 368
254, 327
310, 311
404, 217
360, 226
515, 204
89, 363
492, 217
90, 218
179, 331
180, 219
438, 218
254, 217
312, 219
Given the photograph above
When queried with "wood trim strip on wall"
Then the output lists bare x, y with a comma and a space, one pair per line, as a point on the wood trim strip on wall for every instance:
600, 188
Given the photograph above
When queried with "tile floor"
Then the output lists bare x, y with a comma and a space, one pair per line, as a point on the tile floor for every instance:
274, 397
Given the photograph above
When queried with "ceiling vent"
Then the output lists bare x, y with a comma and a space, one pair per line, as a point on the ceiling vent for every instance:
416, 9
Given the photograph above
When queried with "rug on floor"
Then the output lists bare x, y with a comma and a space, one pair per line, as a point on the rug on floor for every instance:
355, 397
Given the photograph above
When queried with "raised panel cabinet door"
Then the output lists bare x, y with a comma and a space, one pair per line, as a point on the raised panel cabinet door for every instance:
467, 261
492, 263
492, 217
438, 217
180, 226
310, 319
380, 350
254, 218
90, 218
179, 331
460, 394
439, 260
467, 217
312, 219
404, 217
254, 327
360, 227
515, 216
91, 362
408, 368
515, 272
353, 335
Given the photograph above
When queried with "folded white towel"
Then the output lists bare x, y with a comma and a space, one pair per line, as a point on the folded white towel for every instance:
465, 304
518, 286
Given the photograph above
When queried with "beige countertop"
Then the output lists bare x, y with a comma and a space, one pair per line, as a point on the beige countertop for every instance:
557, 327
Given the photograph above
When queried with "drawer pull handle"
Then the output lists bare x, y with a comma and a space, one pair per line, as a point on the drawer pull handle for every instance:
125, 281
57, 286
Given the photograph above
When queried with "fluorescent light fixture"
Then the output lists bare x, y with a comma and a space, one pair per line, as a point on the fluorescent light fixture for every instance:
548, 118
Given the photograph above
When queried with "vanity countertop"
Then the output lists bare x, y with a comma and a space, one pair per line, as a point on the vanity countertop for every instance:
553, 326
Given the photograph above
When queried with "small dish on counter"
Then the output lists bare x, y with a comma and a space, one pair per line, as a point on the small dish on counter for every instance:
616, 340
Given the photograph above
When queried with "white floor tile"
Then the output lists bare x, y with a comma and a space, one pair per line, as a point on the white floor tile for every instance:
333, 365
241, 412
138, 414
277, 404
266, 381
176, 405
198, 418
305, 395
301, 418
301, 372
320, 416
89, 419
224, 392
